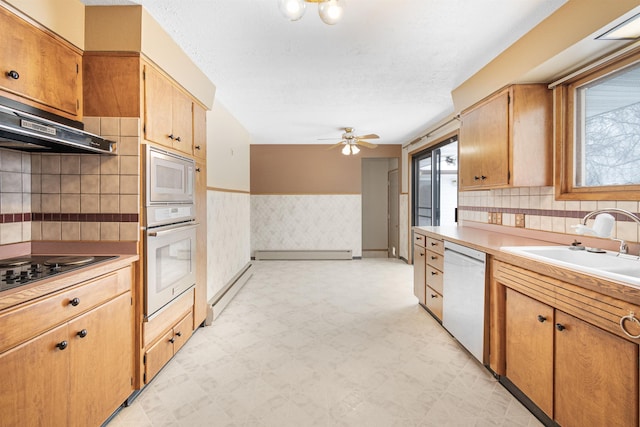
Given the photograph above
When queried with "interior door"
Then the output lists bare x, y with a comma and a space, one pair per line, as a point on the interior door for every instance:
394, 215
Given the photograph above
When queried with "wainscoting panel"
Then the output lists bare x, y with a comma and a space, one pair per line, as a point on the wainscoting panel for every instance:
306, 222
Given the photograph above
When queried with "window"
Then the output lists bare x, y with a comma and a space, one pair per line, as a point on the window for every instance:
598, 132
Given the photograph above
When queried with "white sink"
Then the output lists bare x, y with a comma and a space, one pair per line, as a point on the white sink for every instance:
610, 265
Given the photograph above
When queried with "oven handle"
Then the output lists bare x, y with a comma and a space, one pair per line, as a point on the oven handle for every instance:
173, 229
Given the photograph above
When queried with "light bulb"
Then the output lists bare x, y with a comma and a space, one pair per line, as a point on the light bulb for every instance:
355, 149
345, 150
331, 11
292, 9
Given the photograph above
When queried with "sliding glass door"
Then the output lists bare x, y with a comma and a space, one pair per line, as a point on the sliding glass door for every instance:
435, 184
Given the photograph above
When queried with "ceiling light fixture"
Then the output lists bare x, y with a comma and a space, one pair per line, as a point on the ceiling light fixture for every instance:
350, 148
628, 30
330, 11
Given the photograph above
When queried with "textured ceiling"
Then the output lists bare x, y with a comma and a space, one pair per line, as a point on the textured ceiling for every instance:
388, 67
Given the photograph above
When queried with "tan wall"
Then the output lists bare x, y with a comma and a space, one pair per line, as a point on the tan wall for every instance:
227, 151
63, 17
310, 169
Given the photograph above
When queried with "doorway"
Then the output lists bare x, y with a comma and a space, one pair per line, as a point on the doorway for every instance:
435, 185
380, 219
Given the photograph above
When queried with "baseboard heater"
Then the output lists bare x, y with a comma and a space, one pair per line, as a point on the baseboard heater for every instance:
304, 255
224, 297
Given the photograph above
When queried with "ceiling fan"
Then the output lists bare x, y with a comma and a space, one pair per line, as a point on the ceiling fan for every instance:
351, 141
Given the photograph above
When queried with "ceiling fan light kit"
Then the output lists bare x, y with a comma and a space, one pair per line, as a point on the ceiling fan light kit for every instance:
330, 11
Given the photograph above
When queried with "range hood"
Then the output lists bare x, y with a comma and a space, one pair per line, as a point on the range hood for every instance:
24, 131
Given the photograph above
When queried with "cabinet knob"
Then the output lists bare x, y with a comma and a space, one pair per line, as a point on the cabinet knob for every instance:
178, 139
62, 345
197, 169
434, 273
197, 147
483, 177
434, 244
434, 296
476, 178
171, 137
541, 318
75, 301
13, 74
83, 333
433, 257
172, 340
179, 333
560, 327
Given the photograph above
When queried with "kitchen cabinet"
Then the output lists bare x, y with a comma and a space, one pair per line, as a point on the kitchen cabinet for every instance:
80, 369
434, 276
566, 352
506, 140
39, 68
200, 300
199, 133
419, 273
166, 333
168, 112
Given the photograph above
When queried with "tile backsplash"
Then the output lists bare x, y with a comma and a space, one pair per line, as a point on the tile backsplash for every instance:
74, 196
541, 210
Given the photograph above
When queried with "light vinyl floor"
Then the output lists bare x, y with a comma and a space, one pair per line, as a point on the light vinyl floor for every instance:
324, 343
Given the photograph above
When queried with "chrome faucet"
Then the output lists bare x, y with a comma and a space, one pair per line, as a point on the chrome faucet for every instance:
624, 248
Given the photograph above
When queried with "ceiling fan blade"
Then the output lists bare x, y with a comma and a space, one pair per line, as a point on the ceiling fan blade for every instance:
369, 136
366, 144
335, 145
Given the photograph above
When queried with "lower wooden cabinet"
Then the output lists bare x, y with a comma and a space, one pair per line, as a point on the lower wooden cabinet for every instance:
166, 333
419, 270
76, 374
162, 351
434, 302
575, 372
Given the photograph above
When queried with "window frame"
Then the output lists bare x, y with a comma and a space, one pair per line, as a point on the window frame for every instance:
565, 119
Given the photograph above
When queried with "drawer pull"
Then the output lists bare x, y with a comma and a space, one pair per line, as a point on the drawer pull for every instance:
197, 147
560, 327
13, 74
178, 139
75, 301
541, 318
434, 296
179, 334
434, 257
62, 345
631, 318
434, 244
83, 333
172, 340
434, 273
171, 137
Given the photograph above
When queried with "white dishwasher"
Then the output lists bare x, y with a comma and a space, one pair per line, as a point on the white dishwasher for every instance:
463, 296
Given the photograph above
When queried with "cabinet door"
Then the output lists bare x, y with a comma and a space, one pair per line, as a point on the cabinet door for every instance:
48, 71
596, 379
419, 274
484, 144
200, 302
36, 396
182, 119
182, 332
529, 348
199, 132
102, 338
158, 99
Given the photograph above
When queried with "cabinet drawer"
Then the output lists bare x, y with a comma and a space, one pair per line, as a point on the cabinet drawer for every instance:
435, 245
24, 322
157, 356
434, 279
434, 302
182, 331
420, 240
435, 260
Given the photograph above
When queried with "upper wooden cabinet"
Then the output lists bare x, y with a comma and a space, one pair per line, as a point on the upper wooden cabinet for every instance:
168, 112
199, 132
38, 68
506, 140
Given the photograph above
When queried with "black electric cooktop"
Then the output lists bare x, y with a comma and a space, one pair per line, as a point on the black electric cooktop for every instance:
20, 271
